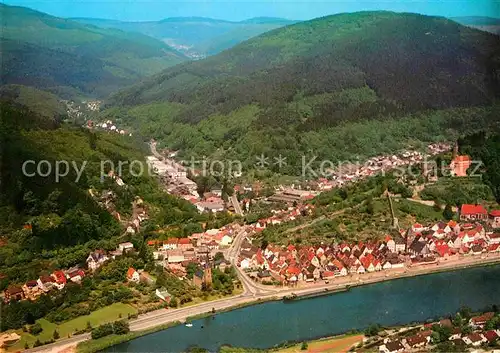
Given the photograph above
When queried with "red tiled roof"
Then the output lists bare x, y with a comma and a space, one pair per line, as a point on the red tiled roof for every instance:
490, 335
60, 277
473, 210
293, 270
495, 213
46, 279
481, 319
130, 272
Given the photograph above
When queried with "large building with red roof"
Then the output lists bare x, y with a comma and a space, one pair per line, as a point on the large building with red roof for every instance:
473, 212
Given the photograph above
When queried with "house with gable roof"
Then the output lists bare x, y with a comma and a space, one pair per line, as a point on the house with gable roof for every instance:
473, 213
96, 259
133, 275
494, 218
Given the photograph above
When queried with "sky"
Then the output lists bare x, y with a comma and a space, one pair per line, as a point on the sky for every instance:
236, 10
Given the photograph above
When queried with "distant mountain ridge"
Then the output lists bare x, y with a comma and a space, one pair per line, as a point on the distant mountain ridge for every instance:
488, 24
69, 58
196, 37
340, 86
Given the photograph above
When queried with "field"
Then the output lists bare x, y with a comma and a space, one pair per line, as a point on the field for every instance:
98, 317
333, 345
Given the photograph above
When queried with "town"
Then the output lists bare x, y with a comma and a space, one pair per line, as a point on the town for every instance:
433, 244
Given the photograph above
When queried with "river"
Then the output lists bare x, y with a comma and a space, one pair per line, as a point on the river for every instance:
400, 301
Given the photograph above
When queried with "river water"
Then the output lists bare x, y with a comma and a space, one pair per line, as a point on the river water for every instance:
400, 301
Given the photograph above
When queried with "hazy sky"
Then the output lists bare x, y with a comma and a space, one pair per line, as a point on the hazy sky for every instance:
140, 10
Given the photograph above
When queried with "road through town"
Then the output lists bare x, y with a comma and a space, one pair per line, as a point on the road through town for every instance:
254, 293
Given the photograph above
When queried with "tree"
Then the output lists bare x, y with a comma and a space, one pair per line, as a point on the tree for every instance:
55, 335
121, 327
219, 256
304, 346
466, 312
35, 329
373, 330
174, 303
458, 321
370, 209
448, 212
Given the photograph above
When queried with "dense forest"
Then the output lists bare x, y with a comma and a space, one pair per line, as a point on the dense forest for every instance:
339, 87
485, 147
71, 59
65, 222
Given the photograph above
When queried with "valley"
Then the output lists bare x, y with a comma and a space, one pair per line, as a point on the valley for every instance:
155, 172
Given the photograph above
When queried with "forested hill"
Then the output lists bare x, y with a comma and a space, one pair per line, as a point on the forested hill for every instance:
296, 88
66, 220
69, 58
410, 61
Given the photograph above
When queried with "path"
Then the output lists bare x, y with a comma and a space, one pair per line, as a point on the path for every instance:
236, 205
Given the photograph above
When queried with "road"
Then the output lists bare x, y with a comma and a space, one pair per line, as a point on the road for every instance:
252, 294
152, 146
60, 345
250, 288
236, 205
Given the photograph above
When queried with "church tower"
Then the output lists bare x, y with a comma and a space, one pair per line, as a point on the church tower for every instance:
207, 274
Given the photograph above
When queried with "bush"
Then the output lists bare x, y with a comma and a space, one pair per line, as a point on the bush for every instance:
102, 331
118, 327
373, 330
55, 335
304, 346
35, 329
121, 327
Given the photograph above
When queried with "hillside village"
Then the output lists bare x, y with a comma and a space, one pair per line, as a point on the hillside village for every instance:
458, 332
421, 245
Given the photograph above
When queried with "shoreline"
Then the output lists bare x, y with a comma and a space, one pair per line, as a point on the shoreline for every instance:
302, 294
163, 319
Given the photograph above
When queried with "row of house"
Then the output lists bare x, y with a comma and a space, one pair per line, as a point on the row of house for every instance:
108, 126
416, 246
422, 339
98, 257
58, 279
32, 289
479, 213
350, 172
175, 254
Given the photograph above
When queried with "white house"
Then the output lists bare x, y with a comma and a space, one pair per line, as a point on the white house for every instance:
124, 247
163, 294
392, 347
245, 263
474, 339
96, 259
133, 275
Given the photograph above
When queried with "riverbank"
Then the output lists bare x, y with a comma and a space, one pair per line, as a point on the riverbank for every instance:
242, 302
92, 346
